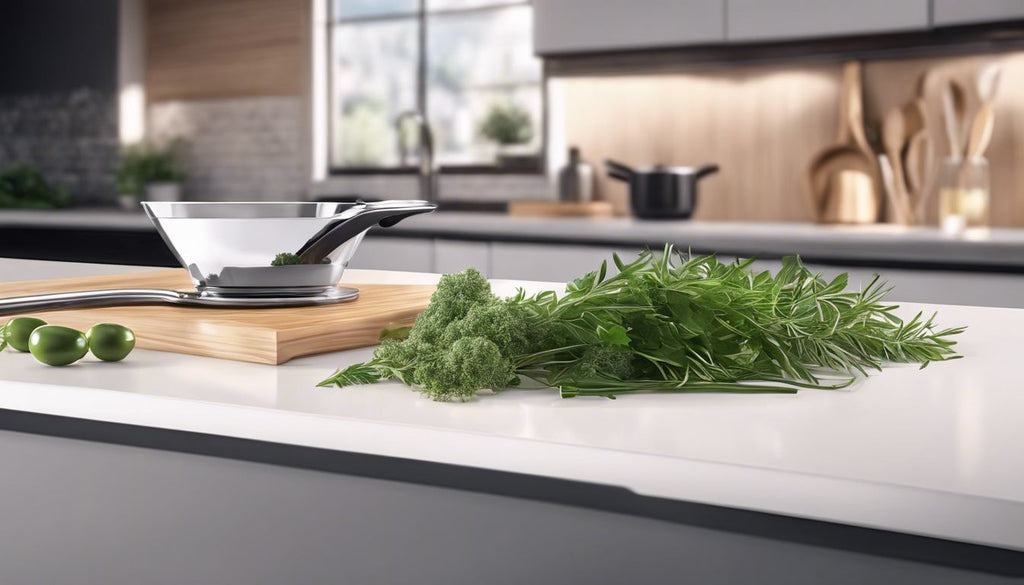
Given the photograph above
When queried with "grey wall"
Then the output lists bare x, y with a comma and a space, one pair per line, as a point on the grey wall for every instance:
58, 92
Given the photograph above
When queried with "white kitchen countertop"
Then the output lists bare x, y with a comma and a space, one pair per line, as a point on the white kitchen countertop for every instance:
881, 243
931, 452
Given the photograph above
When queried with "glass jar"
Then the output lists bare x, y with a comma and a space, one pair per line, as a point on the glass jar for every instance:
964, 196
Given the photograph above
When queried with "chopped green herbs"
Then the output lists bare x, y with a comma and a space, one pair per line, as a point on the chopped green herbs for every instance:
664, 323
285, 259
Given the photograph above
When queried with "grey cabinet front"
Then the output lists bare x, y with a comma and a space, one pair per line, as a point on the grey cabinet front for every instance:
954, 12
769, 20
580, 26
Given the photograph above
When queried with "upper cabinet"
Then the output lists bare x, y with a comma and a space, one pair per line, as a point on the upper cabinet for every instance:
563, 27
779, 20
580, 26
954, 12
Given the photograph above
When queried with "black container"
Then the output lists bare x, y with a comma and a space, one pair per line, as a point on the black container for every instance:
661, 192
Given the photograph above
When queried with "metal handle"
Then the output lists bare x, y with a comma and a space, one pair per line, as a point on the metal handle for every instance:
617, 170
336, 233
92, 298
705, 171
158, 296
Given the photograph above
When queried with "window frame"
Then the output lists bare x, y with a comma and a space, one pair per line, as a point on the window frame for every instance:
421, 16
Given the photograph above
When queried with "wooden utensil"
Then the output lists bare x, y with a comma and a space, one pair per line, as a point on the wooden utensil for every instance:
954, 108
981, 131
851, 109
266, 336
914, 116
889, 182
894, 138
912, 163
834, 197
988, 82
841, 180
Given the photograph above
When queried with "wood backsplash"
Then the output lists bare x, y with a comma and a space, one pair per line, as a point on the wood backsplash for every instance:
763, 124
203, 49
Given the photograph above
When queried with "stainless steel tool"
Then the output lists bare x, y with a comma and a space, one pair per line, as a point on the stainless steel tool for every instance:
229, 250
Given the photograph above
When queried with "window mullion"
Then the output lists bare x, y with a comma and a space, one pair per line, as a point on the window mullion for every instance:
421, 64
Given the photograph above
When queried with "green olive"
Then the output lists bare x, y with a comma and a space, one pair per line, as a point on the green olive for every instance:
54, 345
17, 331
110, 342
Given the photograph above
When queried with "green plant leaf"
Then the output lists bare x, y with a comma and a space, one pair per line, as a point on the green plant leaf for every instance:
614, 335
353, 375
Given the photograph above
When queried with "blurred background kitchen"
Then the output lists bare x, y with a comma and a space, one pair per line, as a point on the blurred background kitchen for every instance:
871, 136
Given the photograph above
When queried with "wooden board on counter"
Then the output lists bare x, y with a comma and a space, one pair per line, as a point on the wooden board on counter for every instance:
560, 209
267, 336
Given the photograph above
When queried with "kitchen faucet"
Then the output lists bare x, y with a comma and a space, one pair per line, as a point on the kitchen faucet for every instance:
427, 168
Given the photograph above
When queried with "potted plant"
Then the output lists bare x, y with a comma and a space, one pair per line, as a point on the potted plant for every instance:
510, 127
150, 172
22, 186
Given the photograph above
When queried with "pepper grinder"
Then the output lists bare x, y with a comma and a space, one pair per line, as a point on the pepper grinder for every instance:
576, 179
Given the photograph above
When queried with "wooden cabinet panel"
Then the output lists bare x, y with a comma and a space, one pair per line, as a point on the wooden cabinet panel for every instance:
571, 26
954, 12
203, 49
765, 20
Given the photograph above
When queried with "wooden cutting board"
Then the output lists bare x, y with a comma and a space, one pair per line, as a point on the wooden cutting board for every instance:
560, 209
266, 336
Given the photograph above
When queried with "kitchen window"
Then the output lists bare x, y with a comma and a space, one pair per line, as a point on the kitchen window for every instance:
468, 64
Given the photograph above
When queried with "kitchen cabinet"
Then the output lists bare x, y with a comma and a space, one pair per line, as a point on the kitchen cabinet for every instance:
454, 256
407, 254
777, 20
954, 12
186, 518
939, 286
549, 263
578, 26
562, 263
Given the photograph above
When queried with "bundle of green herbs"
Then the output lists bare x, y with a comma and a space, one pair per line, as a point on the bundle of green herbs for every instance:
665, 322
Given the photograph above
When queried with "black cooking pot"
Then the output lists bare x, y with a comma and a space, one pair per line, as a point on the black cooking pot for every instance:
661, 192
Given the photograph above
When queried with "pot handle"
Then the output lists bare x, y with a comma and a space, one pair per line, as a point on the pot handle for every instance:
617, 170
705, 171
346, 227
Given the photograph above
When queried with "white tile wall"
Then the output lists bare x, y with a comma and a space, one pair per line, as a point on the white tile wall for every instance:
252, 149
238, 149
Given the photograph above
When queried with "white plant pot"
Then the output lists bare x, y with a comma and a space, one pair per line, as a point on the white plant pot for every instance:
163, 192
128, 202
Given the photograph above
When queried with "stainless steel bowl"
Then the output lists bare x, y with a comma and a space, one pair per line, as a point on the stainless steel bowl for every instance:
228, 248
